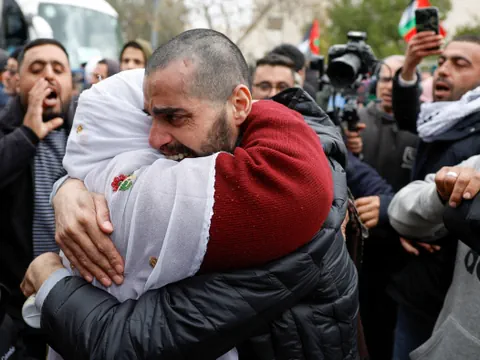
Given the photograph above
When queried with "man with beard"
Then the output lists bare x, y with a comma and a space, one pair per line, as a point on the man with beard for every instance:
272, 186
449, 132
33, 135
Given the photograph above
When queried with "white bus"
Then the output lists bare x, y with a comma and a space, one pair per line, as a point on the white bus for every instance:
87, 28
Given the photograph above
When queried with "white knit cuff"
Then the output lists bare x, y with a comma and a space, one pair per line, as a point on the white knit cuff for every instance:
407, 83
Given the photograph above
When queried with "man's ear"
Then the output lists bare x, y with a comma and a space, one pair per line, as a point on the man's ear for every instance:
241, 101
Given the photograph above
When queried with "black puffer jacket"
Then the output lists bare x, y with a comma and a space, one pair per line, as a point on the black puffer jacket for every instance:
303, 306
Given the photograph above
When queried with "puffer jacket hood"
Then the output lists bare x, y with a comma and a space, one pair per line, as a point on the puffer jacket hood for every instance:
333, 145
297, 99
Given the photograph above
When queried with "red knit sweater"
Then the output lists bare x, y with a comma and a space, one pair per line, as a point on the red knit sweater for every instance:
272, 195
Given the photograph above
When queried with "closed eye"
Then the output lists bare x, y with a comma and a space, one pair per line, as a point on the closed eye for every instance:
175, 120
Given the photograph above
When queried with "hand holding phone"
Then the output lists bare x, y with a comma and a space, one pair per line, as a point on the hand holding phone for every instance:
426, 42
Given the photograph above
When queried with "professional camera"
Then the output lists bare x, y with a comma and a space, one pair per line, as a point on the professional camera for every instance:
317, 63
349, 61
348, 65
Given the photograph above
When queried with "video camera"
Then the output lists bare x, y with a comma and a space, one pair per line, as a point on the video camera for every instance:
348, 65
348, 62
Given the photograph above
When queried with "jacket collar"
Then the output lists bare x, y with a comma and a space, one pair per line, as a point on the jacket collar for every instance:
467, 127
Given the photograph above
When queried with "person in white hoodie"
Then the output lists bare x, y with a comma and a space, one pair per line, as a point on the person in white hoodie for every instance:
427, 210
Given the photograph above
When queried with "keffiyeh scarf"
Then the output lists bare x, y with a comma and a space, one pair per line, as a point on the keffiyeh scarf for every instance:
438, 117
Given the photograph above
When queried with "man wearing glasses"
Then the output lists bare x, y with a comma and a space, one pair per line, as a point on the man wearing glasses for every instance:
273, 74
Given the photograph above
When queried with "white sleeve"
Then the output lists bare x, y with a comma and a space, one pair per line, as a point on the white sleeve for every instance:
407, 83
416, 211
169, 215
108, 121
161, 211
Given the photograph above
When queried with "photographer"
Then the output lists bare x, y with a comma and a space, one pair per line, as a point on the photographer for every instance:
391, 153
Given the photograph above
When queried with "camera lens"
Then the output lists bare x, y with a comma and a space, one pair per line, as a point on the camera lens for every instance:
343, 71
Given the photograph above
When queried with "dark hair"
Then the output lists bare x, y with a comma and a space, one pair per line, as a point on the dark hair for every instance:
220, 65
40, 42
293, 53
113, 67
131, 44
274, 59
473, 38
140, 44
16, 53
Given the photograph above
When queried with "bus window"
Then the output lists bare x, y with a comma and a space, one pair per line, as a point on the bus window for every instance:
14, 26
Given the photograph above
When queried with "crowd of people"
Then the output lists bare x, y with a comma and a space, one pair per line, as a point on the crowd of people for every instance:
186, 205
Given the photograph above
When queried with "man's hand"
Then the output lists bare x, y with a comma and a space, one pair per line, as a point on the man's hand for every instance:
457, 183
369, 210
34, 116
39, 271
82, 227
354, 140
411, 249
422, 44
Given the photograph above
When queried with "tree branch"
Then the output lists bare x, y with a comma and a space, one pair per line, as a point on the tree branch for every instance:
207, 15
255, 22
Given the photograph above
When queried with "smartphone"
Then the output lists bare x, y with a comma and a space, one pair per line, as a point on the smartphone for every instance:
427, 19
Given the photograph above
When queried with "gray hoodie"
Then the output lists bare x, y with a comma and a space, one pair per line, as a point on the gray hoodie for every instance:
416, 211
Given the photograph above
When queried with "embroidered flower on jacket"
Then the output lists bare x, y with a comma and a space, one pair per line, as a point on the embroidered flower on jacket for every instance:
79, 129
153, 261
123, 182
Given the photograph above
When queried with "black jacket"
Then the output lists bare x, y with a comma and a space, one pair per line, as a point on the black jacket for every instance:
17, 151
303, 306
388, 149
363, 180
423, 284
